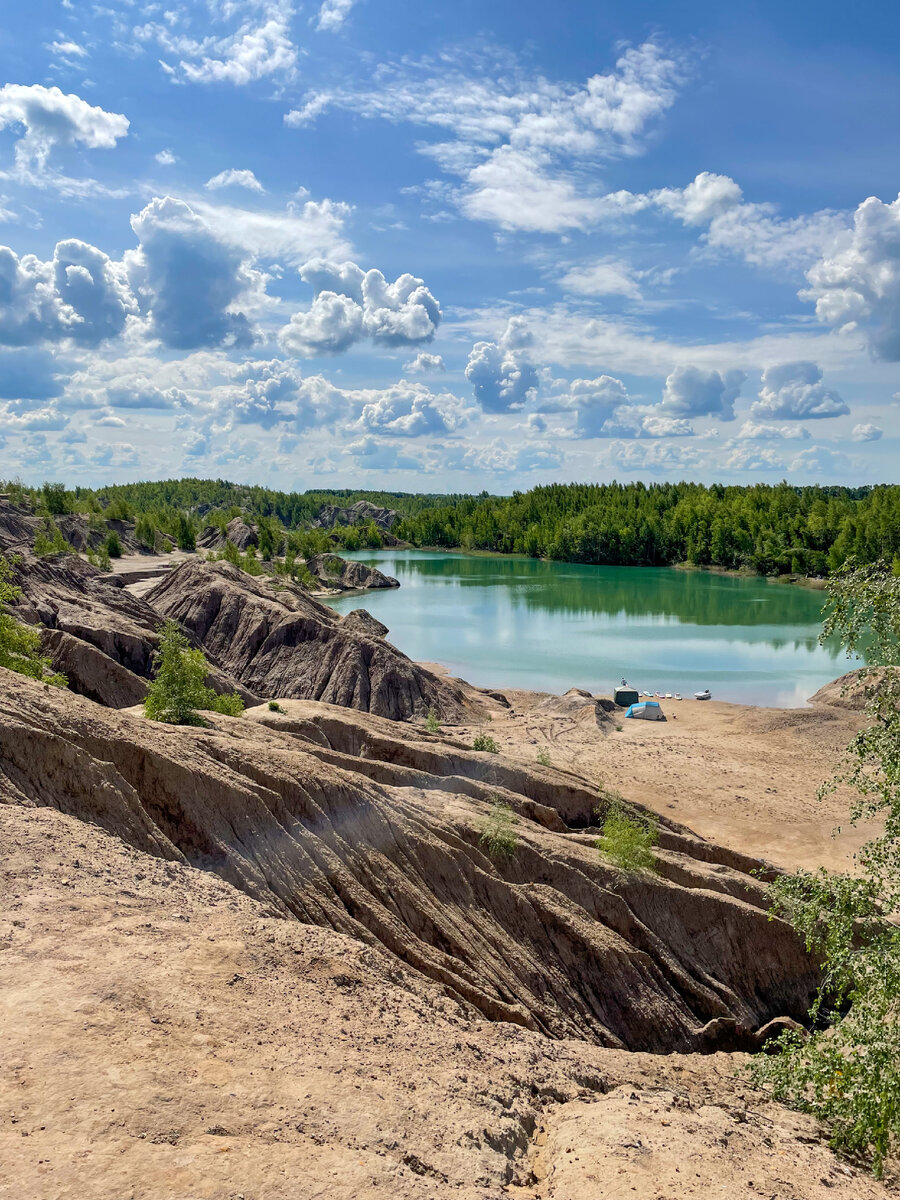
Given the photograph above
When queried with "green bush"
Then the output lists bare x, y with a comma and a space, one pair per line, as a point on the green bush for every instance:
274, 706
56, 499
179, 688
49, 540
20, 645
484, 741
628, 837
113, 545
846, 1071
498, 831
432, 724
145, 532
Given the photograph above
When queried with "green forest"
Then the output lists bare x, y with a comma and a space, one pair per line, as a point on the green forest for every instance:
772, 530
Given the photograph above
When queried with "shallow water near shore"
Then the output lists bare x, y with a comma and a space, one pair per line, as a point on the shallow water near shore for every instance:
519, 622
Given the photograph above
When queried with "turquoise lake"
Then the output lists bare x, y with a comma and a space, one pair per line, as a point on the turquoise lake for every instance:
518, 622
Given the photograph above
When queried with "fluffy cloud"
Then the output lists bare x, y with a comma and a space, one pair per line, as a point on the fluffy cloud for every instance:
411, 410
795, 391
80, 294
351, 304
165, 158
607, 277
50, 118
315, 227
866, 433
423, 363
693, 392
859, 284
234, 178
143, 394
706, 197
594, 402
751, 458
16, 418
333, 14
819, 460
187, 279
754, 431
635, 457
372, 455
333, 324
501, 373
258, 47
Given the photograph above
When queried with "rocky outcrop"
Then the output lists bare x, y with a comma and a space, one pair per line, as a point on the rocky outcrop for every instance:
239, 532
359, 513
853, 690
363, 622
376, 835
97, 633
347, 575
279, 641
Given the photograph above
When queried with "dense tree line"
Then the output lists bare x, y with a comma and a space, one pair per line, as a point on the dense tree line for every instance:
777, 529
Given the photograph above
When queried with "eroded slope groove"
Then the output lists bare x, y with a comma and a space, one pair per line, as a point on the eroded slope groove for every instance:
552, 939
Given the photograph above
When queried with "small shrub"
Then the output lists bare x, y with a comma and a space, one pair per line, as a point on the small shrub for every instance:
619, 728
179, 688
484, 741
50, 540
113, 545
543, 757
20, 645
628, 837
99, 558
498, 831
432, 724
274, 706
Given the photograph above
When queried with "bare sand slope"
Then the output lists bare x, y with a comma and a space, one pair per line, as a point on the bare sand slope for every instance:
742, 776
164, 1038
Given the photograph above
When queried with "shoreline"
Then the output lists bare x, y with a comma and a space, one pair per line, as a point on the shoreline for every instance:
741, 775
813, 582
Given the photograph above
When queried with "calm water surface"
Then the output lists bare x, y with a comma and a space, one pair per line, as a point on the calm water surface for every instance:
517, 622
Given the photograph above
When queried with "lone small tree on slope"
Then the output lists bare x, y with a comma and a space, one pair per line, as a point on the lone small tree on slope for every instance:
179, 690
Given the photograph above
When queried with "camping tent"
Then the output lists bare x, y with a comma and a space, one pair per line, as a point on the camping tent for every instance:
624, 696
647, 710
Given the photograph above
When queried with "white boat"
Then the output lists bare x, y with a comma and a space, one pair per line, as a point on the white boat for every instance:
678, 695
704, 695
668, 696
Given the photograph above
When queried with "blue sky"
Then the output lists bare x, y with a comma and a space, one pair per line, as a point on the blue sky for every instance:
449, 247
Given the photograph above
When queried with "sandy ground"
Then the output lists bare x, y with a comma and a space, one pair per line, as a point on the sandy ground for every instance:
743, 776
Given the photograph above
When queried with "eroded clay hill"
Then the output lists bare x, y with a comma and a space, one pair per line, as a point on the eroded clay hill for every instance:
354, 824
96, 632
279, 641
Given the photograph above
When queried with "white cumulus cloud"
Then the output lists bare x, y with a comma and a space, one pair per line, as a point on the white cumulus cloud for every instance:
351, 304
795, 391
866, 433
333, 14
501, 373
858, 285
50, 118
694, 392
234, 178
424, 362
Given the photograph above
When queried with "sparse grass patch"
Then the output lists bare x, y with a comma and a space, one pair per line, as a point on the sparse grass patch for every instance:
543, 757
484, 741
498, 831
628, 837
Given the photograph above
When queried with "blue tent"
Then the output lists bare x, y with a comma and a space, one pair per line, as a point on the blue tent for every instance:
647, 710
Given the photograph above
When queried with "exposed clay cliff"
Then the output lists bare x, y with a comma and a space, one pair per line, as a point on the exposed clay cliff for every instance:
366, 828
239, 532
279, 641
359, 513
348, 575
97, 633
